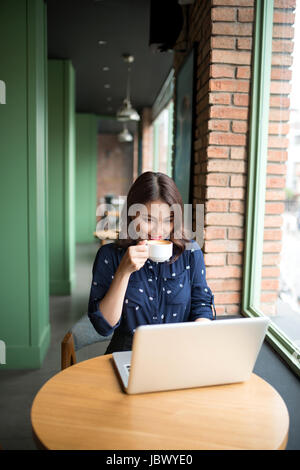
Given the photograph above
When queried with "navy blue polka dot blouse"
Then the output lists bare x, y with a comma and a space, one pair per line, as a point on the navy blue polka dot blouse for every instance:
156, 293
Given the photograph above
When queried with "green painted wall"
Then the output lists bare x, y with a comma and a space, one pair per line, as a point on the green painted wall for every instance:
86, 176
24, 281
61, 118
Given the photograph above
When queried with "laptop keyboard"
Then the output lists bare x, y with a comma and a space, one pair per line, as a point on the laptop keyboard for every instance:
127, 367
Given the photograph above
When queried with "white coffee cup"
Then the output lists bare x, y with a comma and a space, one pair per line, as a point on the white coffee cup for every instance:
160, 250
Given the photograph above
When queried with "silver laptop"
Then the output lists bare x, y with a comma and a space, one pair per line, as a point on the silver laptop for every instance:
191, 354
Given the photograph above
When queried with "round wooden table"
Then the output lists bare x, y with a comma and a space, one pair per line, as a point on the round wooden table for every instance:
84, 407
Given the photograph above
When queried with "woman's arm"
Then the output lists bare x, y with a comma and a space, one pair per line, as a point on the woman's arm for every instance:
202, 298
112, 303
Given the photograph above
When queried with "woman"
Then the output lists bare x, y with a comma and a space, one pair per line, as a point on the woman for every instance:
128, 289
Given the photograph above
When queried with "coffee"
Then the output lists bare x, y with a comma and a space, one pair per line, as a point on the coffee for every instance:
160, 250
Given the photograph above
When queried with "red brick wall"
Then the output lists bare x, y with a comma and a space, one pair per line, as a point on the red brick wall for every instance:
223, 29
115, 166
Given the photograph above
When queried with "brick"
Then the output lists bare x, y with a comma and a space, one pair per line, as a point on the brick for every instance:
238, 153
271, 260
226, 246
243, 72
219, 98
223, 14
217, 152
237, 206
233, 258
214, 259
231, 57
228, 138
279, 115
242, 86
216, 179
216, 206
280, 74
237, 181
272, 195
278, 142
272, 247
276, 169
282, 60
270, 272
270, 284
274, 208
218, 125
232, 29
221, 71
280, 102
235, 233
284, 3
268, 297
273, 221
228, 112
220, 310
228, 298
230, 219
273, 235
224, 285
278, 128
283, 17
240, 99
282, 46
226, 166
225, 193
282, 32
273, 182
240, 126
280, 88
215, 233
244, 43
241, 3
245, 15
222, 42
224, 272
233, 309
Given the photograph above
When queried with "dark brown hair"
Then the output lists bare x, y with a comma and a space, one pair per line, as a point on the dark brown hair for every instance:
148, 187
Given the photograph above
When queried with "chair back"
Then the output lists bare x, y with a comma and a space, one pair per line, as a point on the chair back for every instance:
80, 335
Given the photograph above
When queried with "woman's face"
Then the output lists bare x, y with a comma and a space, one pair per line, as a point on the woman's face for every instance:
155, 221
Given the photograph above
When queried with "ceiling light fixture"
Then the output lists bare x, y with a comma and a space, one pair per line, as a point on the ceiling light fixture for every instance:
107, 85
102, 43
105, 69
125, 135
126, 112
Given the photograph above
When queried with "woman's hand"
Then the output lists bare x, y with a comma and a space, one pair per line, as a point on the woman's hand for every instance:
134, 257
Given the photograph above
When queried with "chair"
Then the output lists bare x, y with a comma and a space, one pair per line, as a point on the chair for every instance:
81, 334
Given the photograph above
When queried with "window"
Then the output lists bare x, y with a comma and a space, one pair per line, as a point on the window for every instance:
163, 140
272, 256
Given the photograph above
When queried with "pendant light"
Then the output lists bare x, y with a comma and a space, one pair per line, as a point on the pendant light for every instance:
125, 135
126, 112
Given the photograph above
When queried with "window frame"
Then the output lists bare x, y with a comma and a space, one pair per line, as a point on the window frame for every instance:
257, 170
